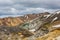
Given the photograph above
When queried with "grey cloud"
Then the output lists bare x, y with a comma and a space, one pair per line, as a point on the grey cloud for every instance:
4, 3
40, 3
11, 7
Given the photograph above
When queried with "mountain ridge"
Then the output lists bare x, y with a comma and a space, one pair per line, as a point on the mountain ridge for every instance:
14, 21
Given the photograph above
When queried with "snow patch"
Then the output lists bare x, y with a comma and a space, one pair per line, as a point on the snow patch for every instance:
47, 16
32, 30
55, 19
56, 25
58, 12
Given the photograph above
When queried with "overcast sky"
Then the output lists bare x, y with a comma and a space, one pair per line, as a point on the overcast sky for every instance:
16, 7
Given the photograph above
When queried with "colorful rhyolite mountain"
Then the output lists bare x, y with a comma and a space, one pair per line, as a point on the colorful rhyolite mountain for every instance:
14, 21
47, 29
